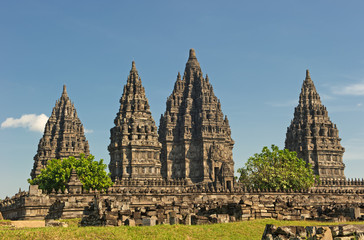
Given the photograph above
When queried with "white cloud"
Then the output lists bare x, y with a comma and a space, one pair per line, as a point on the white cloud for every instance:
32, 122
89, 130
356, 89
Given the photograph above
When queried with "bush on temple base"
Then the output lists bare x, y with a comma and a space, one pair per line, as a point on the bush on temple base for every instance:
277, 169
56, 175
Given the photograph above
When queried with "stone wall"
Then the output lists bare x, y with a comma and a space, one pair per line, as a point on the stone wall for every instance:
340, 185
143, 203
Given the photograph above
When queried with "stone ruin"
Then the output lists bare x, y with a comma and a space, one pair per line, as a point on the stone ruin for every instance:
177, 202
337, 232
183, 172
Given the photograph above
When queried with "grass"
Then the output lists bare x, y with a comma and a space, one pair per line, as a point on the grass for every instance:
248, 230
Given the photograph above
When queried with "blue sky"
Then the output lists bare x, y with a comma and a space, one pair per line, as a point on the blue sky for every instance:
255, 53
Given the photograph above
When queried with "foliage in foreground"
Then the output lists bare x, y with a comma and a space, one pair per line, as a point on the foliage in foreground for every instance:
277, 169
56, 175
245, 230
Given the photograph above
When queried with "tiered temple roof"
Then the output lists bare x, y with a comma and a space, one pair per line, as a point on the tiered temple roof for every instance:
313, 136
63, 135
195, 136
134, 148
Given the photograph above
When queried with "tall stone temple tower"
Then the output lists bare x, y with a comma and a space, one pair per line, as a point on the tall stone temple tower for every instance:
195, 136
63, 135
313, 136
134, 148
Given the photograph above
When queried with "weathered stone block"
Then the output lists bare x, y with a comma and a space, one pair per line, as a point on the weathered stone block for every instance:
188, 219
161, 220
138, 222
223, 218
125, 212
152, 213
245, 211
173, 220
324, 233
137, 215
149, 221
55, 223
349, 230
130, 222
266, 215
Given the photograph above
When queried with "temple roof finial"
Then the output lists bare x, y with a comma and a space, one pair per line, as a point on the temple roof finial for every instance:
192, 60
308, 74
64, 93
192, 53
133, 66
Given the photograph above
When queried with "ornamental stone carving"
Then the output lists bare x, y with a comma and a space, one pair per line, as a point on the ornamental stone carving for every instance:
192, 123
313, 136
134, 147
63, 135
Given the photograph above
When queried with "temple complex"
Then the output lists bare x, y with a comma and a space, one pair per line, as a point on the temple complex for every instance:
195, 135
184, 174
134, 148
313, 136
63, 135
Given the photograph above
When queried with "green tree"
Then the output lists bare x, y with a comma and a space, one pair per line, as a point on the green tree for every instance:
56, 175
277, 169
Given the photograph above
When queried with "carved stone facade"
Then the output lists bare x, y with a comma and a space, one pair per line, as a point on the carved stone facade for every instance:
63, 135
313, 136
134, 148
195, 136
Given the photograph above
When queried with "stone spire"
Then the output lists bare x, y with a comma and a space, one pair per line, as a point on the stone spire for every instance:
313, 136
134, 148
308, 74
64, 93
192, 62
196, 139
63, 135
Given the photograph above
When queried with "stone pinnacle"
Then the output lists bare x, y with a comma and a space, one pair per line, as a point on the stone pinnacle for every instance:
192, 53
64, 93
133, 68
192, 61
308, 74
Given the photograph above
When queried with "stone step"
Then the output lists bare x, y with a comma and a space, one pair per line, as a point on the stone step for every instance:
28, 224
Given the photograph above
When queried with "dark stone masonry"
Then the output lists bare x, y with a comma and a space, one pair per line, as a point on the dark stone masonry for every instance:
183, 172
